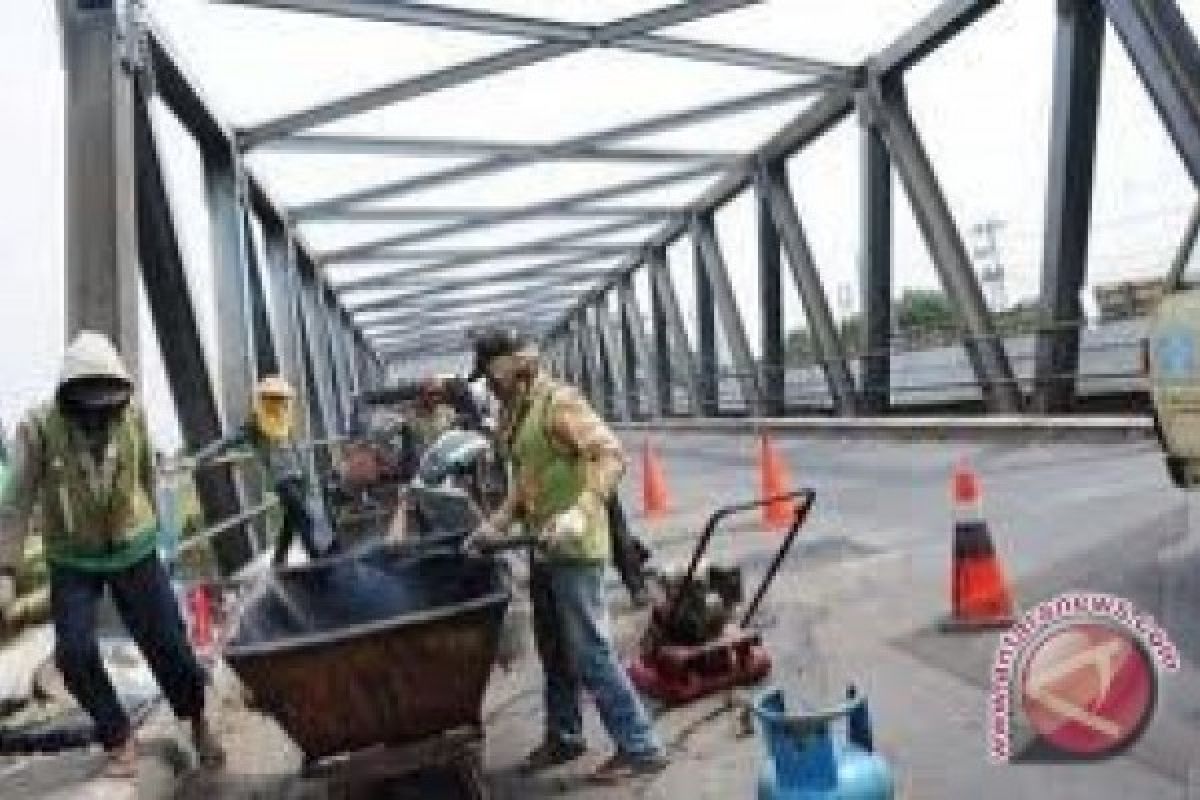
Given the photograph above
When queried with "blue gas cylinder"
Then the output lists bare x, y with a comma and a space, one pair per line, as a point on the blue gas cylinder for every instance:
809, 756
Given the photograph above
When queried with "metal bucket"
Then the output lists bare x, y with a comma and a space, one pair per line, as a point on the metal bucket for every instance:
390, 645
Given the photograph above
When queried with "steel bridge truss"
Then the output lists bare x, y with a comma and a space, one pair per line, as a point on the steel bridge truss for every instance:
279, 308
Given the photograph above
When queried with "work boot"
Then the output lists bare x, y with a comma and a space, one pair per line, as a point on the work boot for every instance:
209, 752
552, 753
122, 760
622, 767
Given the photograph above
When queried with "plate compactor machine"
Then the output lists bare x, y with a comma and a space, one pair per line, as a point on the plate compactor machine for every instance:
693, 646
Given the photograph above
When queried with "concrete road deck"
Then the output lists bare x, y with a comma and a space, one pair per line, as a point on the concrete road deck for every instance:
857, 602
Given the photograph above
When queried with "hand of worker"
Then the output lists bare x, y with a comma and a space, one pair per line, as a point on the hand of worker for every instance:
484, 538
568, 525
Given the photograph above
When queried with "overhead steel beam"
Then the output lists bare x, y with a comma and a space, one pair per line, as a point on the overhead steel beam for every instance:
984, 347
641, 379
481, 68
488, 22
803, 129
180, 93
333, 144
1164, 51
101, 278
770, 300
614, 361
350, 215
640, 128
821, 324
463, 307
478, 254
1078, 61
176, 325
528, 276
401, 277
590, 196
935, 29
704, 230
912, 46
672, 342
875, 269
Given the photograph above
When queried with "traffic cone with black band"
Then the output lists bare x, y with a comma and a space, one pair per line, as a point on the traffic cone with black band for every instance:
980, 598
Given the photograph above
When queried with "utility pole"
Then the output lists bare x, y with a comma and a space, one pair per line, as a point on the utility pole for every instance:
991, 265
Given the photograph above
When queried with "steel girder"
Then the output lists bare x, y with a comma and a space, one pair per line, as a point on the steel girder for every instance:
441, 214
176, 325
770, 299
614, 362
641, 379
984, 348
601, 382
1078, 60
461, 305
526, 55
640, 128
1189, 249
671, 338
266, 354
101, 231
451, 265
481, 254
875, 270
530, 276
706, 333
708, 252
178, 91
812, 293
434, 147
431, 15
591, 196
951, 17
1164, 51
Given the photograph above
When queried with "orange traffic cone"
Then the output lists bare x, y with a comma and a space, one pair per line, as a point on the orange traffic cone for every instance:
655, 502
774, 482
979, 594
200, 623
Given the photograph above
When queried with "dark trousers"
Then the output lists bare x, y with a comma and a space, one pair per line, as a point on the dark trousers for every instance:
143, 597
629, 555
296, 519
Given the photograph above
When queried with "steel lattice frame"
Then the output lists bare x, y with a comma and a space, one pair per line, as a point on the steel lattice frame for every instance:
279, 309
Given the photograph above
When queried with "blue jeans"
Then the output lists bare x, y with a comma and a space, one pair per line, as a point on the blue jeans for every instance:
571, 624
144, 599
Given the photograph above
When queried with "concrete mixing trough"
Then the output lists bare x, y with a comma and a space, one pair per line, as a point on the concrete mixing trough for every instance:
387, 646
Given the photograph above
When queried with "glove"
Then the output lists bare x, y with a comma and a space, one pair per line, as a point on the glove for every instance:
565, 526
8, 593
484, 538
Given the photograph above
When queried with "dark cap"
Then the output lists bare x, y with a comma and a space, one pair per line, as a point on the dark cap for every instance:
491, 343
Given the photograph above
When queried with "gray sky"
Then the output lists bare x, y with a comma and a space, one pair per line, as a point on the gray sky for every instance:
982, 104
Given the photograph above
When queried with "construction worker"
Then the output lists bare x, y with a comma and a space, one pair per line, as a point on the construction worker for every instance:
429, 417
84, 461
566, 464
268, 434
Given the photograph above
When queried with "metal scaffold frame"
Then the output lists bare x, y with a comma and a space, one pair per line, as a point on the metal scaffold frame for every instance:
279, 308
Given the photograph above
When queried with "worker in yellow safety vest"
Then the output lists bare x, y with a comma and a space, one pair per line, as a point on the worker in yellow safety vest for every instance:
566, 464
84, 462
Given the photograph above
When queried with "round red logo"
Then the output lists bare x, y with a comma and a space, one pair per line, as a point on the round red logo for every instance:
1088, 689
